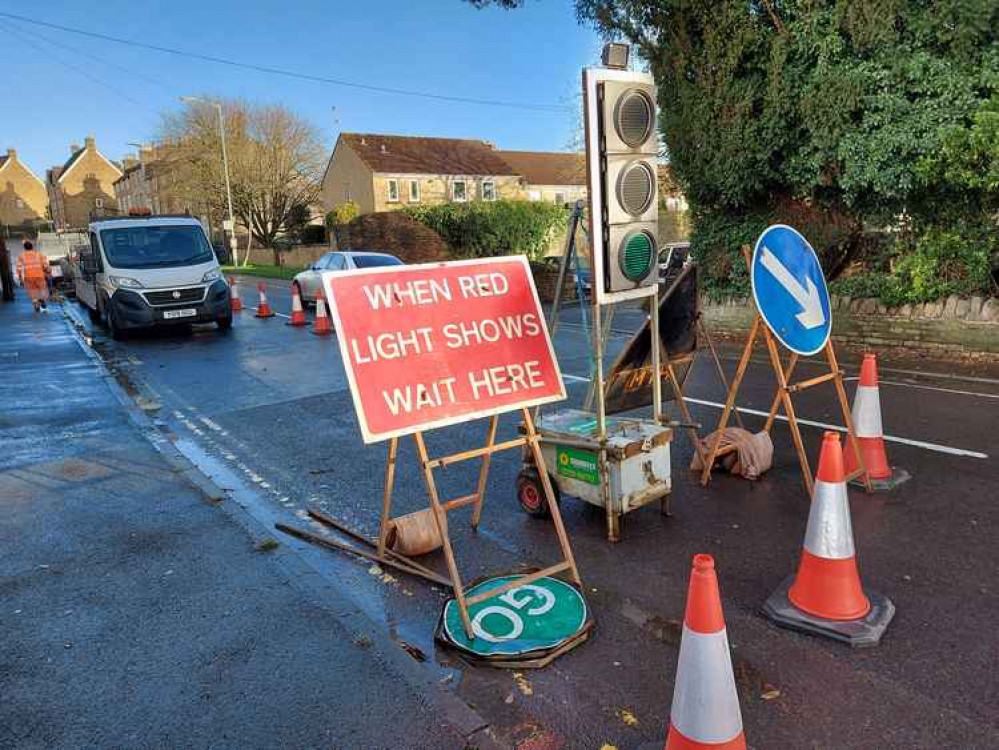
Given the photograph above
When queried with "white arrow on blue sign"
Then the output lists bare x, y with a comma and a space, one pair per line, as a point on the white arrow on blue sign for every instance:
790, 290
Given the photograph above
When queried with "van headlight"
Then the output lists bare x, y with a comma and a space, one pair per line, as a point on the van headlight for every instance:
210, 276
124, 282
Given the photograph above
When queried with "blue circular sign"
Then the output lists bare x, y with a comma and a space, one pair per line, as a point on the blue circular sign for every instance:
790, 290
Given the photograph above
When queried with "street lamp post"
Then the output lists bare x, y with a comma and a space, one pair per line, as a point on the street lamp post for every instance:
225, 167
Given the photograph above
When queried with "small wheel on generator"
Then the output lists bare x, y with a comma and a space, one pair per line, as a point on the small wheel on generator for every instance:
531, 493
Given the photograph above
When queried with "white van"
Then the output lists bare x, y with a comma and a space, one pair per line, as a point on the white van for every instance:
145, 271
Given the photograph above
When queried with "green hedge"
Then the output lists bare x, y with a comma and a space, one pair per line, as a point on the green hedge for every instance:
486, 229
920, 264
938, 263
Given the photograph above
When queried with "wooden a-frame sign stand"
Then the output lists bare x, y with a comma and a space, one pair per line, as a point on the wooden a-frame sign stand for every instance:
783, 398
440, 509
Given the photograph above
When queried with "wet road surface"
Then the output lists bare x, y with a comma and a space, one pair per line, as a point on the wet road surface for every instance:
265, 409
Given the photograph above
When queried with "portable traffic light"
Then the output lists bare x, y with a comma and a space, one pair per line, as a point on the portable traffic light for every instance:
622, 148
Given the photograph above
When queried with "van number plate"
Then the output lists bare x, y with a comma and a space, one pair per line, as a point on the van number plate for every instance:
188, 313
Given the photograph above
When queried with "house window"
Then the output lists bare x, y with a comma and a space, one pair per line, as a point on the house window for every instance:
414, 191
459, 191
488, 190
98, 203
533, 195
19, 203
560, 198
393, 191
346, 193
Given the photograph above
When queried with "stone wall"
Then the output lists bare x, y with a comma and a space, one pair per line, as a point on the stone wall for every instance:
954, 324
297, 257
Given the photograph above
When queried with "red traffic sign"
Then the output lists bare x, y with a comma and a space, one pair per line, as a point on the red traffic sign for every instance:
441, 343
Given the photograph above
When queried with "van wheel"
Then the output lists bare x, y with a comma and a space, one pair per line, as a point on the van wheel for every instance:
116, 333
225, 323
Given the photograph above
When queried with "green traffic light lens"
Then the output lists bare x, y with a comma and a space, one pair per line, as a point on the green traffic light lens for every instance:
637, 255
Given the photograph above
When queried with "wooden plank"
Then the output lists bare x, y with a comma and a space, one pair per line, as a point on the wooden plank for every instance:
440, 516
322, 541
344, 529
519, 581
792, 418
480, 491
438, 463
460, 502
733, 391
383, 529
795, 387
556, 514
791, 364
844, 405
855, 474
718, 364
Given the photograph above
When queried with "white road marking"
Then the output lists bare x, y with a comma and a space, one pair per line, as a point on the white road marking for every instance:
976, 394
823, 425
915, 373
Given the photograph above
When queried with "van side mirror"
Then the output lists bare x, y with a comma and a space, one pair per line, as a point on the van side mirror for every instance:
88, 262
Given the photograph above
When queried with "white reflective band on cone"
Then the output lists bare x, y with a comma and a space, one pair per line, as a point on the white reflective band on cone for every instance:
705, 701
867, 412
830, 533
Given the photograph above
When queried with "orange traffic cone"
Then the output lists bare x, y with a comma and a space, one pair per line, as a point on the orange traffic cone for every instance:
237, 303
263, 309
826, 597
869, 432
322, 326
297, 313
828, 582
705, 712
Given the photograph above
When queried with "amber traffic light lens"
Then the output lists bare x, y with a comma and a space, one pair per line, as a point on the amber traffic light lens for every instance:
636, 187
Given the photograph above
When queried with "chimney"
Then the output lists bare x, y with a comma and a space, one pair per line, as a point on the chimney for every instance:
12, 154
89, 143
73, 148
128, 162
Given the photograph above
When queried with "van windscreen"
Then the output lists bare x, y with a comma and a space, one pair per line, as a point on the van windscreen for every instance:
156, 246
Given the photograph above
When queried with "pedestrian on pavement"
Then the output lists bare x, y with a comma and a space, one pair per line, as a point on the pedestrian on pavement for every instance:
33, 272
6, 274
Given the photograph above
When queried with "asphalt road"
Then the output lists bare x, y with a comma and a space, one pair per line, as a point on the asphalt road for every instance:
265, 409
135, 613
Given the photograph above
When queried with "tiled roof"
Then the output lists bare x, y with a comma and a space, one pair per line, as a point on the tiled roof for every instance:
419, 155
3, 160
547, 167
71, 160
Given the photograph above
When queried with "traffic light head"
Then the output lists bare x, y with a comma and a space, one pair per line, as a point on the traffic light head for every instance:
622, 152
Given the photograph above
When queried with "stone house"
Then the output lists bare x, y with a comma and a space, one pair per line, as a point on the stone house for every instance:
23, 198
388, 172
550, 176
83, 184
148, 184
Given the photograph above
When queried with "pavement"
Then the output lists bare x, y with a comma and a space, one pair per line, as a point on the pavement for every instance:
265, 412
138, 611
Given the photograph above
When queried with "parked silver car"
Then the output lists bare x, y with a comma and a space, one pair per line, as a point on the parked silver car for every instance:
309, 281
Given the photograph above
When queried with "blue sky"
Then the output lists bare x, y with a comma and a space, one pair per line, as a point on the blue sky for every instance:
117, 93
